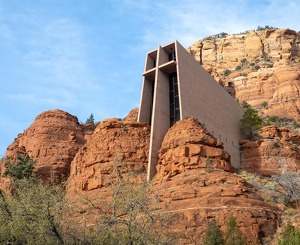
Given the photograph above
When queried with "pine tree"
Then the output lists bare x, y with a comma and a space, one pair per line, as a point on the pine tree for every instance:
213, 234
250, 122
91, 119
19, 169
233, 235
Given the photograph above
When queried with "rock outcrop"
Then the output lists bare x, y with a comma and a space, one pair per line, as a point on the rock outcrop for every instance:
262, 66
193, 198
52, 140
132, 115
277, 151
187, 145
191, 192
186, 189
114, 143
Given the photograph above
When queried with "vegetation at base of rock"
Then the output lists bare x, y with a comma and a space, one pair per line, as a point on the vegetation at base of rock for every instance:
287, 188
213, 234
32, 214
281, 121
39, 213
250, 123
291, 236
233, 235
21, 168
127, 218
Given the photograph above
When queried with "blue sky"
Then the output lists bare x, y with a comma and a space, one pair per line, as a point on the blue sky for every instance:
87, 56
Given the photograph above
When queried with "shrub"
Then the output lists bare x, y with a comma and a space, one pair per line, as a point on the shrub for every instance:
238, 68
264, 104
291, 236
226, 73
257, 67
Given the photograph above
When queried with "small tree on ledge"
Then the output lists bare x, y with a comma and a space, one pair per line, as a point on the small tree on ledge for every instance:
250, 123
91, 119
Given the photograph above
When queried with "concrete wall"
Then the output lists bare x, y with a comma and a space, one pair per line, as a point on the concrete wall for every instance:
200, 96
203, 98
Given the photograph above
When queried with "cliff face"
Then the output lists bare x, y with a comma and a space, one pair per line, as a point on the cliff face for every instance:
189, 191
52, 140
114, 142
260, 66
277, 151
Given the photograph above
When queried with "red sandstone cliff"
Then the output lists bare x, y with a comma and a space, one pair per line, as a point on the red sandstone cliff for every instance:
277, 151
190, 194
52, 140
113, 142
264, 67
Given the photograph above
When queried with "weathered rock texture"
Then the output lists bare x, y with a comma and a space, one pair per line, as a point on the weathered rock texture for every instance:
277, 151
132, 115
113, 143
194, 194
52, 140
187, 145
264, 67
195, 197
189, 193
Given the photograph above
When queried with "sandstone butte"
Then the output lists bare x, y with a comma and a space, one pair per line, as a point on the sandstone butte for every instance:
189, 193
263, 65
52, 140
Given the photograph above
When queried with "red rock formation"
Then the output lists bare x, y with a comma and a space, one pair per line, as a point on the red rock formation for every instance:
264, 67
132, 115
277, 151
192, 194
189, 196
52, 140
114, 141
191, 199
187, 145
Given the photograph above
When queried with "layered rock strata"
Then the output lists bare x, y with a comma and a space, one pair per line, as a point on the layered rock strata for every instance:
262, 67
194, 194
114, 143
277, 151
187, 145
52, 140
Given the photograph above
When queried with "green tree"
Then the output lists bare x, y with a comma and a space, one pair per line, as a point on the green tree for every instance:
91, 119
250, 123
233, 235
128, 218
21, 168
32, 214
291, 236
213, 234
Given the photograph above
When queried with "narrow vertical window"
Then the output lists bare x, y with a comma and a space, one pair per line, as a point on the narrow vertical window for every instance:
174, 99
172, 56
151, 105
